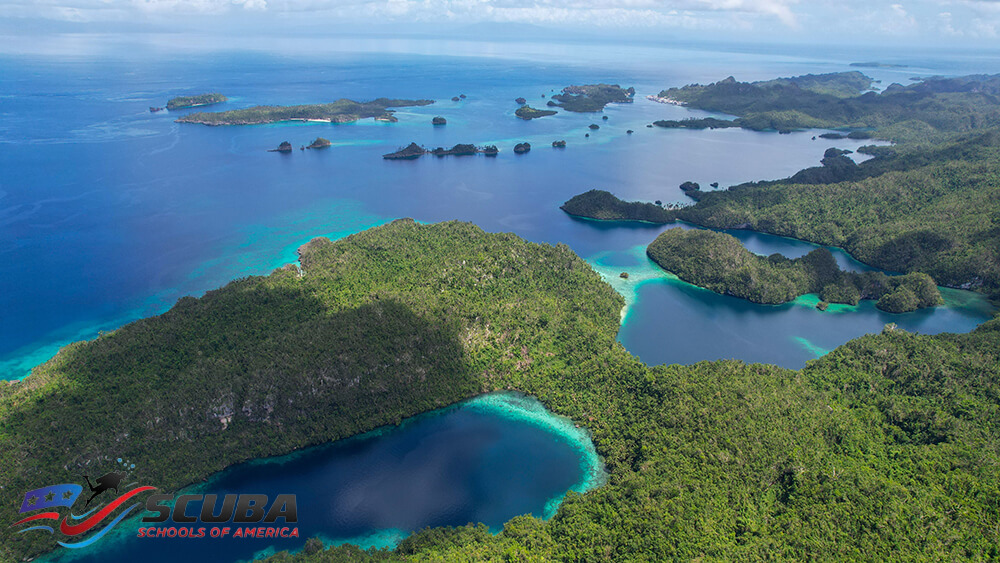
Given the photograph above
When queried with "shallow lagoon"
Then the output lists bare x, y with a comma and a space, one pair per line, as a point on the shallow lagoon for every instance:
484, 460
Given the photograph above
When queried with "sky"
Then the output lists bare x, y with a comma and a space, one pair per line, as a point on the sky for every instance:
973, 23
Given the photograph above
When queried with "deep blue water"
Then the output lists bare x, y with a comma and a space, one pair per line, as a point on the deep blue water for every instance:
109, 213
485, 460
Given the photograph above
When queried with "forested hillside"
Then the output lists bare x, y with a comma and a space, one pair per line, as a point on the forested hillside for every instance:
888, 446
934, 210
931, 208
382, 325
932, 108
886, 449
720, 262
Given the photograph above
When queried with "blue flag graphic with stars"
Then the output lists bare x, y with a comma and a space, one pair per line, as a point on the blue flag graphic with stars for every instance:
53, 495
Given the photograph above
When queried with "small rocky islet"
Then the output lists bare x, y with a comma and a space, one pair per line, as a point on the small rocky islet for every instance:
527, 112
319, 143
414, 151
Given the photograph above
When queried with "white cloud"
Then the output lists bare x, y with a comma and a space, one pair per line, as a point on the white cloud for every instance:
982, 17
781, 9
898, 21
809, 20
182, 6
945, 26
621, 12
982, 6
984, 28
253, 5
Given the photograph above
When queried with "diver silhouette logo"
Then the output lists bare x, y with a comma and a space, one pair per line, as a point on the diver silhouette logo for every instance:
93, 523
108, 481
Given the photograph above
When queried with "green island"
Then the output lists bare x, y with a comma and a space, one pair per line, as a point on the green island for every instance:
721, 263
528, 112
850, 135
458, 150
319, 143
876, 64
341, 111
409, 152
465, 150
414, 151
698, 123
691, 189
891, 437
592, 97
604, 206
183, 102
931, 109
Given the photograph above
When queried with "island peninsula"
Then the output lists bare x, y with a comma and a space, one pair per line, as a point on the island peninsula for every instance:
592, 97
184, 102
860, 451
844, 100
341, 111
720, 262
603, 205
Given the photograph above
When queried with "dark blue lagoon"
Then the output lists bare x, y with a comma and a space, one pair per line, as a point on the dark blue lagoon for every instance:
109, 213
484, 460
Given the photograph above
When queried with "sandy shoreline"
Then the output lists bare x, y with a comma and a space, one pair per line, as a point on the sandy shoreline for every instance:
662, 100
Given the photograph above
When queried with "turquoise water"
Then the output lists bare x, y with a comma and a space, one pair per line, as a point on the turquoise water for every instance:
109, 213
694, 324
667, 320
485, 460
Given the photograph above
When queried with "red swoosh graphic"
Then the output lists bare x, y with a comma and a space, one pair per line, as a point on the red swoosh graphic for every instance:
43, 515
72, 530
